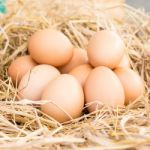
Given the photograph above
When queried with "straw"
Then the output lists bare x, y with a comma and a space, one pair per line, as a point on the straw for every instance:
23, 126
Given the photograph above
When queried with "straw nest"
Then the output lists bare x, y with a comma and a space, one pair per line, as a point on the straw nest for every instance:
23, 126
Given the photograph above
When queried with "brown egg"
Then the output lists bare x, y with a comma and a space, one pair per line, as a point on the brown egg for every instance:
124, 62
33, 83
79, 58
81, 73
132, 83
66, 98
103, 87
50, 47
19, 67
105, 48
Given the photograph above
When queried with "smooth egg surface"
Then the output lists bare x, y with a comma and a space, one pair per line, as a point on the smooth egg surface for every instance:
33, 82
132, 83
79, 57
124, 62
81, 73
50, 47
105, 48
103, 87
19, 67
66, 98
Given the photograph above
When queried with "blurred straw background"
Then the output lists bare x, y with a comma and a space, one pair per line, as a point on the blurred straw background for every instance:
23, 126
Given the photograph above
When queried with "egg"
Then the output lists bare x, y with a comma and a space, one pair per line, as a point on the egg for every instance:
105, 48
81, 73
33, 82
66, 98
124, 62
79, 57
132, 83
50, 47
19, 67
103, 87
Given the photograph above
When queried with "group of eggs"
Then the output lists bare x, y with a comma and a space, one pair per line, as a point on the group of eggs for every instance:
69, 77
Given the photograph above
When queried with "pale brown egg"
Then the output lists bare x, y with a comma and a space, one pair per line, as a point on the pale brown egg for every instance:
105, 48
66, 98
81, 73
33, 82
50, 47
131, 82
103, 87
79, 58
124, 62
19, 67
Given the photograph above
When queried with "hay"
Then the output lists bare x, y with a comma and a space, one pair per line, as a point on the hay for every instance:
23, 126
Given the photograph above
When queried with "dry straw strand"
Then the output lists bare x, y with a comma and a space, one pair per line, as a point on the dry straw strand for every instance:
23, 126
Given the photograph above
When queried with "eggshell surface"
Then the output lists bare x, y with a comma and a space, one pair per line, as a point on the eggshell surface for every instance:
50, 47
131, 82
124, 62
81, 73
105, 48
33, 83
103, 87
66, 96
79, 57
19, 67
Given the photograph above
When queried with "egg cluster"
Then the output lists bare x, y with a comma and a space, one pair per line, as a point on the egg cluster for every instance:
68, 77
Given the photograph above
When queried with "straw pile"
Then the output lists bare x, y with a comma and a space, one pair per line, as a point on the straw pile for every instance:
23, 126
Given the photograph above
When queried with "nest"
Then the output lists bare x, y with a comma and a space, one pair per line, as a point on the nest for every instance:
23, 126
